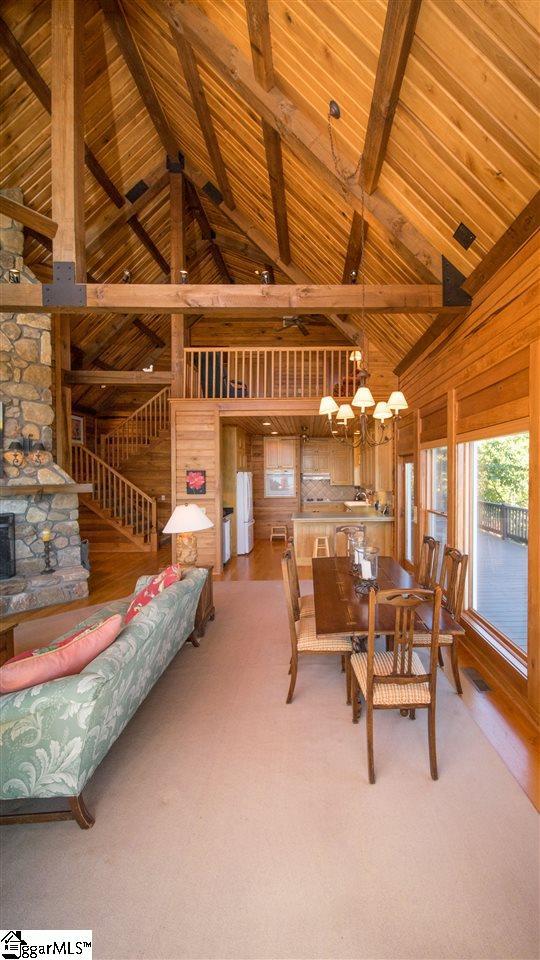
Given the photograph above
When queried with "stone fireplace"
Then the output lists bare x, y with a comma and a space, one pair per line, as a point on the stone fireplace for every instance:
41, 497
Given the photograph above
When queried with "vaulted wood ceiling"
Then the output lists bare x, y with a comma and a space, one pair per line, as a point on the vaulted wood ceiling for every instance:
462, 147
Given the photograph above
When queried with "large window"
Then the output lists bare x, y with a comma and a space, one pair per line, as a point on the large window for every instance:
498, 532
409, 511
436, 496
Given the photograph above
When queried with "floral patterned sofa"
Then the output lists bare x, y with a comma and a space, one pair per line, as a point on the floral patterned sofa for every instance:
54, 735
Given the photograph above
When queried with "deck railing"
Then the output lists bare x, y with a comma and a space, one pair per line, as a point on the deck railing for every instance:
272, 373
507, 521
138, 430
127, 504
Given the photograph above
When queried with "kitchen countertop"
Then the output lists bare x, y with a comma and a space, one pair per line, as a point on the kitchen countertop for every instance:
343, 518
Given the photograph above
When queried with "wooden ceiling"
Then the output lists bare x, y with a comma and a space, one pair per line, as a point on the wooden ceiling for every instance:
462, 147
283, 426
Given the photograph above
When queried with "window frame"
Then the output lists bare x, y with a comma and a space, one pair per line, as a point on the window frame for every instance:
466, 523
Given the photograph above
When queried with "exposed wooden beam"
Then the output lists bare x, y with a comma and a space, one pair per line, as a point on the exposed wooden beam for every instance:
151, 185
398, 33
37, 222
118, 377
178, 262
523, 227
37, 84
307, 140
22, 63
353, 255
148, 333
261, 52
200, 105
234, 299
206, 231
67, 135
270, 251
117, 21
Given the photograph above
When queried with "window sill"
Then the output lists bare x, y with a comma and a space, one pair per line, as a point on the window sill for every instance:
478, 628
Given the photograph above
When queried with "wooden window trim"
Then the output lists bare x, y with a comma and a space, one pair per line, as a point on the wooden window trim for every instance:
480, 628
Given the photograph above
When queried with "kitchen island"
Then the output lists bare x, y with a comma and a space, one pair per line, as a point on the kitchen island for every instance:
309, 525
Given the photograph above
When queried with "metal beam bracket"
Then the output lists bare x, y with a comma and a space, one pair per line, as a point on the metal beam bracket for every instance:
63, 291
453, 295
176, 165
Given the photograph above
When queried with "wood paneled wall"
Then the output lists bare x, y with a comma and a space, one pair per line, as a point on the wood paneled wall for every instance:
271, 510
195, 445
479, 379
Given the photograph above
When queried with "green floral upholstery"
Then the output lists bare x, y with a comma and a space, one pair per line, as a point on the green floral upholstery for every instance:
54, 735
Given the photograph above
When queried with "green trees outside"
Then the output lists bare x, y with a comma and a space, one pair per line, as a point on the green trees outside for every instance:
503, 470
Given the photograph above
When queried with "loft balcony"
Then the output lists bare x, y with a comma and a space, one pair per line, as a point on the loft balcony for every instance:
271, 373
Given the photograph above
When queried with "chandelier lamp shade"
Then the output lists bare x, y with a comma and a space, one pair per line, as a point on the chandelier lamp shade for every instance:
363, 429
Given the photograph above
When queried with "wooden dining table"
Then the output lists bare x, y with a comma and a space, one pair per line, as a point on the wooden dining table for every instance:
339, 611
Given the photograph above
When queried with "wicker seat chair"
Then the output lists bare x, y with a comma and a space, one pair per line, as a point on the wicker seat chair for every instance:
303, 633
306, 602
453, 574
397, 679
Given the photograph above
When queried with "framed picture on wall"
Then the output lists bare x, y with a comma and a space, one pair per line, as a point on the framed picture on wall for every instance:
196, 482
77, 429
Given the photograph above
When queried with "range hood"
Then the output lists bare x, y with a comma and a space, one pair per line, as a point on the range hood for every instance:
315, 476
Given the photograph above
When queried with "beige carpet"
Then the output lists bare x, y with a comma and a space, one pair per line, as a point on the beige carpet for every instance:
229, 825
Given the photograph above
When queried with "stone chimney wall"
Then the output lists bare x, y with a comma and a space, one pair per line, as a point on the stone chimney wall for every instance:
25, 391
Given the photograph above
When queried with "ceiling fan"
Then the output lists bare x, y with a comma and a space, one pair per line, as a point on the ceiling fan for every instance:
297, 322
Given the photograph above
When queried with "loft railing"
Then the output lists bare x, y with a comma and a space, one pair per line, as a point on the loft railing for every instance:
130, 506
504, 519
273, 373
138, 430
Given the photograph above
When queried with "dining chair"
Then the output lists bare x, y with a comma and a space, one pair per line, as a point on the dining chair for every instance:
306, 602
397, 679
429, 560
303, 632
452, 583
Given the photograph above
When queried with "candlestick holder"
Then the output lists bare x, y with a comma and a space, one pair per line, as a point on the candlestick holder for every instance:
47, 555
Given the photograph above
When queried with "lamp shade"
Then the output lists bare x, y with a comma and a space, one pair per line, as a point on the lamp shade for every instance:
187, 518
345, 412
397, 401
328, 406
382, 411
363, 398
356, 355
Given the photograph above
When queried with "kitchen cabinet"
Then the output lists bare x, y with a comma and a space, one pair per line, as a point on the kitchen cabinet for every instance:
341, 464
374, 467
316, 456
279, 453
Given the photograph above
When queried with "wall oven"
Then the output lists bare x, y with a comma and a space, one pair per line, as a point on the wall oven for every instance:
279, 483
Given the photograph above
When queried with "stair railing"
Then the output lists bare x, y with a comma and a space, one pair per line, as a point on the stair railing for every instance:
138, 430
130, 506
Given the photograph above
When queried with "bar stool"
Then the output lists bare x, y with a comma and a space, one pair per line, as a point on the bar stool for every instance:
278, 532
321, 547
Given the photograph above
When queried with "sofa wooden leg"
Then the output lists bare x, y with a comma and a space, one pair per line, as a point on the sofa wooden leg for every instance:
193, 639
80, 812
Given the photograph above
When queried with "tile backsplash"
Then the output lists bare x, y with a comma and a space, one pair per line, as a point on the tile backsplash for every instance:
324, 489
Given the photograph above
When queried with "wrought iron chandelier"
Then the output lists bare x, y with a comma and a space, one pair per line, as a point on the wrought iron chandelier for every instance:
363, 429
346, 427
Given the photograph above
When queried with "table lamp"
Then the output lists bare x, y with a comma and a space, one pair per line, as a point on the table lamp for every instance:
184, 521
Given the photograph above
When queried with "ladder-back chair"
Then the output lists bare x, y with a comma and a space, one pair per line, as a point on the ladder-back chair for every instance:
397, 679
429, 561
453, 576
303, 634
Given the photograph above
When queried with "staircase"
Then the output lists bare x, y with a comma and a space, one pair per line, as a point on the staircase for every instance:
138, 431
116, 502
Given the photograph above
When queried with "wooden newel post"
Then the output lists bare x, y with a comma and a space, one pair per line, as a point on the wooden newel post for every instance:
178, 325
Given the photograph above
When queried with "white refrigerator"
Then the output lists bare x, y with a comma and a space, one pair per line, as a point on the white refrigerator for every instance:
244, 512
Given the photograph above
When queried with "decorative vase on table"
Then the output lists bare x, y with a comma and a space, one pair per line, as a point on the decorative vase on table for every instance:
368, 571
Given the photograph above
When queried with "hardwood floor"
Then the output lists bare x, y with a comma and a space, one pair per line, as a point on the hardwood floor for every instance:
513, 736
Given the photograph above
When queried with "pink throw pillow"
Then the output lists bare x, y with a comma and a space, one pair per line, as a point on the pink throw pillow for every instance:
157, 585
62, 658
